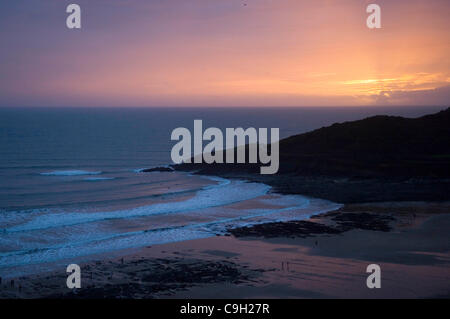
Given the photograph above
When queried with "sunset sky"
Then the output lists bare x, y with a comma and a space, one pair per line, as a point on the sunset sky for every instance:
224, 53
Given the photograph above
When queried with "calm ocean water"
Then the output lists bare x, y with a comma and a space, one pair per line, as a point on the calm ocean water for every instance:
70, 184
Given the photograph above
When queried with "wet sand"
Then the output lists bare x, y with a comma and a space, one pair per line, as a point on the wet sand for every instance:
323, 257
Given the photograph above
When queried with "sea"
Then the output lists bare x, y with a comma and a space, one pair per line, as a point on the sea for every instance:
72, 186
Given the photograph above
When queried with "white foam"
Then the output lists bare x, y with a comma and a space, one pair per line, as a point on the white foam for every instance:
45, 235
95, 179
225, 193
71, 173
93, 242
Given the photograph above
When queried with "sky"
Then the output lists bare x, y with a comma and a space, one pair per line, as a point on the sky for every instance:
224, 53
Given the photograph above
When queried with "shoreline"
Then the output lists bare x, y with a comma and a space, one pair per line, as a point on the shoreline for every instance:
267, 201
310, 259
339, 189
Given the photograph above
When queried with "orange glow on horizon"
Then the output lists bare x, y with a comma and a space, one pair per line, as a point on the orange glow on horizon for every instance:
268, 53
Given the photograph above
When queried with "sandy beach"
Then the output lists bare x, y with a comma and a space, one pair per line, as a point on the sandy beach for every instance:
323, 257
